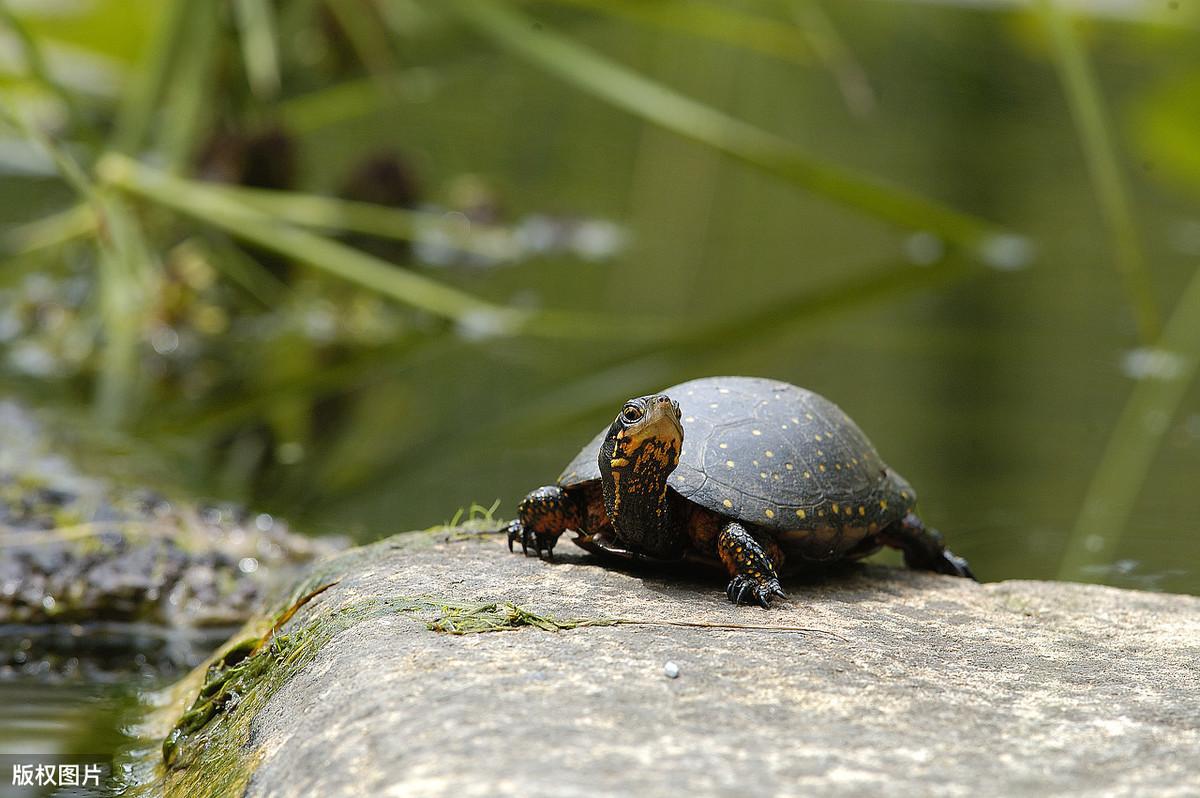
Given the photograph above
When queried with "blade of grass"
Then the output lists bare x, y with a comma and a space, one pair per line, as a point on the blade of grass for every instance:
241, 269
211, 205
35, 62
138, 106
256, 24
64, 164
475, 317
49, 231
1087, 109
367, 35
1112, 494
708, 21
663, 106
190, 88
835, 54
330, 213
123, 292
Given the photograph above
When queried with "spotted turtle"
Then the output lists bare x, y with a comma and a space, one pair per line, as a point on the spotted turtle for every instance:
771, 477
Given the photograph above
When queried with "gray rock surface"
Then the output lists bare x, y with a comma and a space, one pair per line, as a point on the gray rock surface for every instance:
917, 685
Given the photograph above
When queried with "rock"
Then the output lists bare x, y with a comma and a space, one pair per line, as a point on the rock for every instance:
78, 552
904, 684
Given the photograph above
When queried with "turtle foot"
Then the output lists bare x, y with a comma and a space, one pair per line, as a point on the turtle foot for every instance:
538, 542
925, 548
746, 589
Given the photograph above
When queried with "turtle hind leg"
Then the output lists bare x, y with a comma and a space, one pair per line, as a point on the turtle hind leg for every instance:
750, 563
924, 548
543, 515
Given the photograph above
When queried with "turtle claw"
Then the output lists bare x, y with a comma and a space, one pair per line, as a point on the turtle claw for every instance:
516, 533
745, 589
953, 565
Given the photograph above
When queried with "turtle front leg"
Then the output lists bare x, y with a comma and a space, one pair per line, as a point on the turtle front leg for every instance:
924, 548
755, 579
542, 516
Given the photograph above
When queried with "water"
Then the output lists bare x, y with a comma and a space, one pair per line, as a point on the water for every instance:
993, 391
40, 721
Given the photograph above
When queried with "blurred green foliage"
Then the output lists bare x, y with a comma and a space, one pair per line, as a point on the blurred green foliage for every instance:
361, 262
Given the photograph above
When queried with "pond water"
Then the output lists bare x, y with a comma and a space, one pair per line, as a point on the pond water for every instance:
995, 389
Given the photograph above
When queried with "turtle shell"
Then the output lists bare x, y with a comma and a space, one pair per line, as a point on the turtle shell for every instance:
773, 455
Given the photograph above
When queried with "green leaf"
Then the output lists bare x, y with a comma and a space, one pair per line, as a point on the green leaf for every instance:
256, 23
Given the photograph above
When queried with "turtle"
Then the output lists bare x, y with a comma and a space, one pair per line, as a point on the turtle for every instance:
754, 475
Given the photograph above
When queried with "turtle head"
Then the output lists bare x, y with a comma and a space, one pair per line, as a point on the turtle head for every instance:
639, 452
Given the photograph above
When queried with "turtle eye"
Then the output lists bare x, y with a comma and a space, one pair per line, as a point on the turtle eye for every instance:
632, 413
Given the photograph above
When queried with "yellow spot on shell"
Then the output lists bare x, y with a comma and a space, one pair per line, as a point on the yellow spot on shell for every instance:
722, 390
817, 438
727, 503
838, 466
903, 494
795, 420
713, 405
769, 453
821, 513
809, 416
762, 474
756, 432
729, 464
862, 510
690, 419
821, 467
618, 462
835, 508
723, 445
882, 504
783, 426
769, 513
800, 514
808, 475
788, 466
854, 460
849, 511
